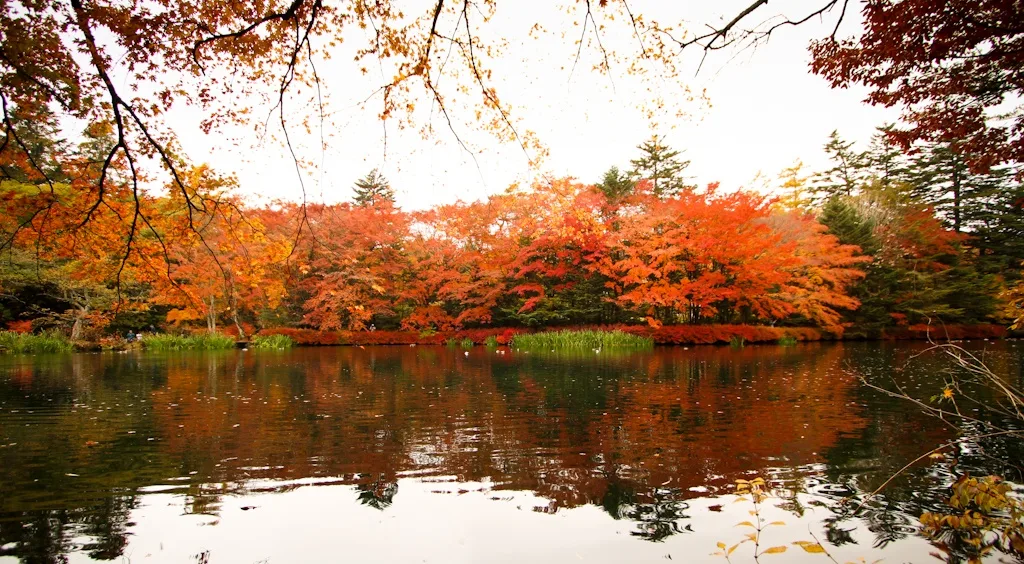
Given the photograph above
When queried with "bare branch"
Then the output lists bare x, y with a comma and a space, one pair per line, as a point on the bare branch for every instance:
488, 95
717, 38
636, 30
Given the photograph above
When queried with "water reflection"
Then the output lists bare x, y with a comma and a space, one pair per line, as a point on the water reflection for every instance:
650, 440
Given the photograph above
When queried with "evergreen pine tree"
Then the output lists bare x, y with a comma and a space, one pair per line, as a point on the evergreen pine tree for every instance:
941, 179
847, 174
847, 223
885, 162
373, 188
39, 141
615, 184
875, 290
660, 165
993, 216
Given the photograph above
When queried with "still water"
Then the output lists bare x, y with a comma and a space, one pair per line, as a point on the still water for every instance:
427, 454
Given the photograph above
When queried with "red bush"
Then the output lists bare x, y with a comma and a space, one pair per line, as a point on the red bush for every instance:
711, 334
23, 326
232, 331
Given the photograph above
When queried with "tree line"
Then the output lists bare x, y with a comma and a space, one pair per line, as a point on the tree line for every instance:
883, 238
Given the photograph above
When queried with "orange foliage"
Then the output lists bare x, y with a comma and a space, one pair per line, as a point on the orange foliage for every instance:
690, 259
22, 326
693, 253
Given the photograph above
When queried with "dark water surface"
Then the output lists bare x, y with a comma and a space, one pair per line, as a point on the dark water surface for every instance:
423, 454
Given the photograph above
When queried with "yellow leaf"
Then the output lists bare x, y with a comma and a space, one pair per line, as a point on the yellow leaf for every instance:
776, 523
721, 545
732, 548
812, 547
746, 523
775, 550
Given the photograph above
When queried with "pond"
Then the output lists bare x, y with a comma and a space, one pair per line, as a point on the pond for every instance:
428, 454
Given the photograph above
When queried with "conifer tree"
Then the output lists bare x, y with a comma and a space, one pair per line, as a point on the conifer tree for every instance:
661, 165
373, 188
886, 162
615, 184
993, 216
847, 174
793, 183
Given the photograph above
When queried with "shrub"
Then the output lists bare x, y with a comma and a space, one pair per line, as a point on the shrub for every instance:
581, 340
491, 342
305, 337
201, 341
787, 341
271, 342
21, 326
466, 343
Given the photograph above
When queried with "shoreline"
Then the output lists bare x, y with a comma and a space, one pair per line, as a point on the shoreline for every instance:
672, 335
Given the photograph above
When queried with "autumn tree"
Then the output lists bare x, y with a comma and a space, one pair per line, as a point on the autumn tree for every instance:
130, 65
350, 278
949, 65
459, 259
794, 183
561, 239
710, 257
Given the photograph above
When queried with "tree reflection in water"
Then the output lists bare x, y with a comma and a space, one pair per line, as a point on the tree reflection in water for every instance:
639, 435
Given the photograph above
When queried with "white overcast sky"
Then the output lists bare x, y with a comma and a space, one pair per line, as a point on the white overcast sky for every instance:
765, 111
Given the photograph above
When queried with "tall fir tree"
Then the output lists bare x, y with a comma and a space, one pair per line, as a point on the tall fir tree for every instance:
661, 166
373, 188
941, 179
994, 218
847, 174
886, 162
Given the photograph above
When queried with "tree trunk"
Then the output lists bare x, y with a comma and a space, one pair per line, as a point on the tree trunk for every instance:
238, 325
76, 328
233, 304
211, 316
956, 196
